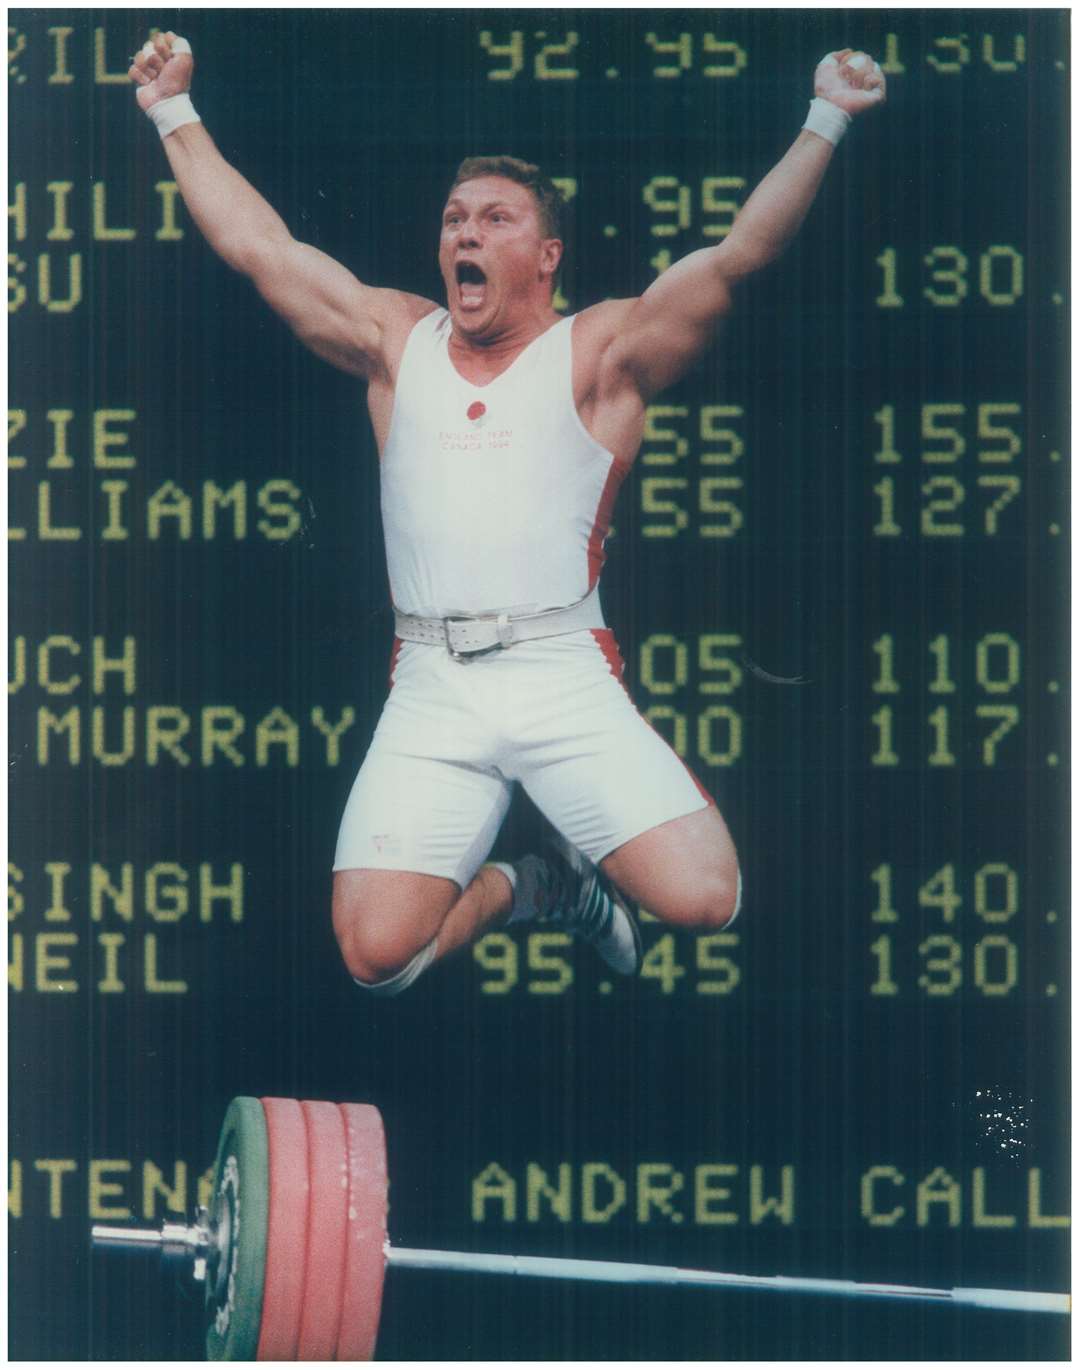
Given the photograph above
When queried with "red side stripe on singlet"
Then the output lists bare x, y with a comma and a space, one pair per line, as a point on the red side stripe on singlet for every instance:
394, 654
602, 525
605, 640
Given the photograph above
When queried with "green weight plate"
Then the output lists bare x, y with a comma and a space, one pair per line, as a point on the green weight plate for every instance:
234, 1289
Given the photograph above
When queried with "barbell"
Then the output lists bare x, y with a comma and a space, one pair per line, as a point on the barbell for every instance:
294, 1248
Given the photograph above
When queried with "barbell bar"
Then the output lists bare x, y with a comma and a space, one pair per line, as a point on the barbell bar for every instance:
294, 1249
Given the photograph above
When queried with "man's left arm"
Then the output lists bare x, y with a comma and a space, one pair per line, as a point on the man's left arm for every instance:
674, 319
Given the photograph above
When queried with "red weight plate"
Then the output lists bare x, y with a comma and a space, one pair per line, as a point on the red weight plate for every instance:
365, 1255
328, 1204
286, 1230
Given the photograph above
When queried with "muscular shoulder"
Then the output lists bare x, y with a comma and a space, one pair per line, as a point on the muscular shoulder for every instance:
595, 330
595, 327
402, 312
399, 313
607, 401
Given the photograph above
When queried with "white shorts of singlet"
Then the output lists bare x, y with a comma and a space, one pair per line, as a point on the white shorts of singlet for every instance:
453, 738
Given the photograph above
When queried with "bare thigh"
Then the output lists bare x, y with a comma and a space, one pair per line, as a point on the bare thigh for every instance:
686, 871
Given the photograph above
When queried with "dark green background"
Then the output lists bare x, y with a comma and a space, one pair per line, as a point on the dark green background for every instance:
352, 124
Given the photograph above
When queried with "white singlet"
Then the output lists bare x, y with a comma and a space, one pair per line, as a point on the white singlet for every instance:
496, 497
493, 496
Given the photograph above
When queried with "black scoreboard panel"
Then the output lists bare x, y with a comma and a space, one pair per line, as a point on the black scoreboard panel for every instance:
838, 575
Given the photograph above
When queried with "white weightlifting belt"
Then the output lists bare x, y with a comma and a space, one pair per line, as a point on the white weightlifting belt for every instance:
468, 635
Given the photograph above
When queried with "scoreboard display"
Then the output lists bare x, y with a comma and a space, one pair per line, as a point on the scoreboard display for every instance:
838, 573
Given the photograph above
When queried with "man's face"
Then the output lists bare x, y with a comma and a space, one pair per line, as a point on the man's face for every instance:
493, 254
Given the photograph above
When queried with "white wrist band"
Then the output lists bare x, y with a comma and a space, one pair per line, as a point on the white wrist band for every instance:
170, 114
827, 120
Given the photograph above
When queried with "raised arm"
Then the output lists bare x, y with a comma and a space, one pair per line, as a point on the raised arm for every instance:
338, 317
674, 319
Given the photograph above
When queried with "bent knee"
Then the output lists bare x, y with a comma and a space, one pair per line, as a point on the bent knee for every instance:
371, 952
381, 964
707, 903
392, 984
383, 919
370, 965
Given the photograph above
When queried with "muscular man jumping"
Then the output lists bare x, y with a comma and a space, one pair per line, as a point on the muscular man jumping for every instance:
504, 432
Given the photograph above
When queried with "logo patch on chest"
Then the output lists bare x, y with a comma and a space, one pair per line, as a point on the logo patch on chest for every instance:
478, 437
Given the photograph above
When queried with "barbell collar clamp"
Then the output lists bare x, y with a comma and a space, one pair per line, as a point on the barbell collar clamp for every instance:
195, 1240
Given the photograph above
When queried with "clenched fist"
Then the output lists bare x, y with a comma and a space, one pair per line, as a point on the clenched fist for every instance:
851, 80
161, 68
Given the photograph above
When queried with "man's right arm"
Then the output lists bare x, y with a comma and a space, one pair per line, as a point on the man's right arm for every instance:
344, 321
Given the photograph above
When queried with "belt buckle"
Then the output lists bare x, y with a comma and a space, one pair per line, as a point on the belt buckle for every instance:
466, 657
454, 653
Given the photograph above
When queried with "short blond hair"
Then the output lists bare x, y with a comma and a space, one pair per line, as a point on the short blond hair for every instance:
549, 202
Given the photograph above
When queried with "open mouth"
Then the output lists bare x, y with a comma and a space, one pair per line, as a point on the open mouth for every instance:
471, 284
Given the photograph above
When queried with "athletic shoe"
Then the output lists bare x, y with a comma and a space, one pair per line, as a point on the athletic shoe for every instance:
563, 889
